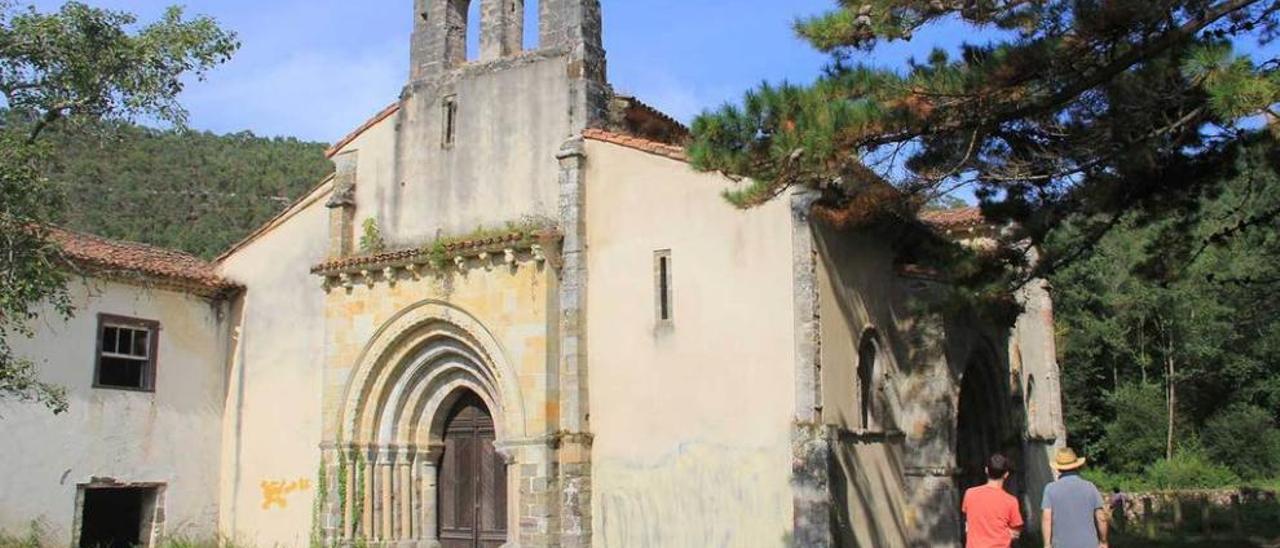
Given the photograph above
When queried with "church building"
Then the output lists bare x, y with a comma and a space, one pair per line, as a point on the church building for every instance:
515, 316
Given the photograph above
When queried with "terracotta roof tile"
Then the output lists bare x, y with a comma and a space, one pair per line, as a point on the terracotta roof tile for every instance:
377, 118
644, 145
953, 218
114, 257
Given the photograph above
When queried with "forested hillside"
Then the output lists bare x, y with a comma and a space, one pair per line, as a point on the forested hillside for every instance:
194, 191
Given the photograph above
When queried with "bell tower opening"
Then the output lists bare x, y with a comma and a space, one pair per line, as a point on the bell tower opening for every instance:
472, 17
532, 25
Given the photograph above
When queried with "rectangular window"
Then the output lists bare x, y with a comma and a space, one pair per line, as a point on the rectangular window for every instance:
126, 353
450, 121
662, 285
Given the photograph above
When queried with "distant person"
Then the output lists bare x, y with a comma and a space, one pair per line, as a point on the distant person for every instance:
1119, 503
992, 517
1074, 516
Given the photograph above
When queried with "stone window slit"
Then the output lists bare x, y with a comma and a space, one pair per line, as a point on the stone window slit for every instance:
663, 301
449, 109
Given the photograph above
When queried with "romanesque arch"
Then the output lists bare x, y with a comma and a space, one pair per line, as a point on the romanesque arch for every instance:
983, 415
394, 412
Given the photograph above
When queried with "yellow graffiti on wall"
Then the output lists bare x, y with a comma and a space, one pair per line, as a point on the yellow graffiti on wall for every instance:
276, 493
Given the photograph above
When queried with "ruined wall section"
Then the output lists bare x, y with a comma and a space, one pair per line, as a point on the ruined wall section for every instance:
692, 417
891, 476
168, 437
900, 475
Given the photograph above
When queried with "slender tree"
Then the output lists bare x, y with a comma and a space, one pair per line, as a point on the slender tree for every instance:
78, 63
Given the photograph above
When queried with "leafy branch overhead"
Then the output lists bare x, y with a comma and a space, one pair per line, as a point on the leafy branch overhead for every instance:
77, 64
84, 61
1072, 109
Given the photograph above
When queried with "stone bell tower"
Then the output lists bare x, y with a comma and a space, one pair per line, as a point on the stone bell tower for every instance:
478, 138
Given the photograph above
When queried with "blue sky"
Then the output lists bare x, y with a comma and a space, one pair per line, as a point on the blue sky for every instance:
315, 69
318, 68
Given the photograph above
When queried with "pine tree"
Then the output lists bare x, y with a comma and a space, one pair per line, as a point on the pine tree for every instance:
1077, 110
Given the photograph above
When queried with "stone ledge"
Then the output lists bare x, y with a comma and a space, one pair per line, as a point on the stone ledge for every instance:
508, 249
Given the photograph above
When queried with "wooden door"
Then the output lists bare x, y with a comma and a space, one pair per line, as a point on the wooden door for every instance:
473, 480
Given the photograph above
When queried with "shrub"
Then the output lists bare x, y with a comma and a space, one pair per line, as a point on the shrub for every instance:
33, 538
1136, 436
1244, 438
1190, 469
1106, 481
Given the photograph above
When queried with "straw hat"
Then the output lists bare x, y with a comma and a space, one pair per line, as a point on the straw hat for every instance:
1066, 460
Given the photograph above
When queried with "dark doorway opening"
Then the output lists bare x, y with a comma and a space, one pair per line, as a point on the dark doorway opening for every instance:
116, 517
473, 480
980, 424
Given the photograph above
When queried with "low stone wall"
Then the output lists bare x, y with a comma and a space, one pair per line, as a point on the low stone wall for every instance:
1209, 510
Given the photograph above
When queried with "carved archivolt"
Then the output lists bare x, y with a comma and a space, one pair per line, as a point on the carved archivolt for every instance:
420, 362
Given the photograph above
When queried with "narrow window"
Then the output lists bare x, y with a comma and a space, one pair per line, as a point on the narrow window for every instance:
662, 285
450, 120
867, 372
126, 353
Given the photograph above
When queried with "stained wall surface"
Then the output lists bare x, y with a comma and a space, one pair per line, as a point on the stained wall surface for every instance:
511, 117
691, 419
271, 452
860, 296
899, 478
169, 436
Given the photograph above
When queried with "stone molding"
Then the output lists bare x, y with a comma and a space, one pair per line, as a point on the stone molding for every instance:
507, 251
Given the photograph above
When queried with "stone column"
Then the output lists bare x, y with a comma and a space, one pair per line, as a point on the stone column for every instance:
415, 495
353, 503
368, 528
427, 461
386, 497
331, 515
404, 492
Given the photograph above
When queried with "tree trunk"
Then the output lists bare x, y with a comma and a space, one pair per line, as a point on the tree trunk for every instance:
1173, 402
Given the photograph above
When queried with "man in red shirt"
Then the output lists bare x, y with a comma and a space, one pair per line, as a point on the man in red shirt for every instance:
992, 517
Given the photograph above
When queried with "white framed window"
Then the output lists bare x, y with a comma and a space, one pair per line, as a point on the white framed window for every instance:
126, 353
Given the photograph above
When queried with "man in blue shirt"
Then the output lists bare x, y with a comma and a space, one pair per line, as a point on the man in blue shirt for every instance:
1073, 512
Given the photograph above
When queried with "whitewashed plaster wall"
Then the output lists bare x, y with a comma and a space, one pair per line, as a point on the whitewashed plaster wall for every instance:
168, 436
271, 452
692, 422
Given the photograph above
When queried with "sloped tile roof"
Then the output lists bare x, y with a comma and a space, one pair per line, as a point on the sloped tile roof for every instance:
120, 259
644, 145
953, 218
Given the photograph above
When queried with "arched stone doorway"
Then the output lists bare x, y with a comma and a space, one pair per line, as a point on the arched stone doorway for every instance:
432, 378
981, 421
472, 491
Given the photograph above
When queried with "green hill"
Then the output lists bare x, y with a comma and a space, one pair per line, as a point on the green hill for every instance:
194, 191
